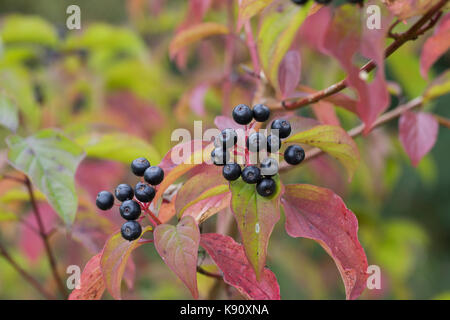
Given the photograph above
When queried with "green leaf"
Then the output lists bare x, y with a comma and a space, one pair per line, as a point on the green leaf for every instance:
275, 37
215, 191
9, 116
116, 253
439, 87
256, 216
333, 140
50, 160
28, 29
117, 147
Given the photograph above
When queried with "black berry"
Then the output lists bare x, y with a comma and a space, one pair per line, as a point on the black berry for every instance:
154, 175
124, 192
226, 139
273, 143
266, 187
269, 167
220, 156
139, 165
144, 192
299, 2
105, 200
131, 230
242, 114
251, 174
323, 1
130, 210
231, 171
294, 154
261, 113
283, 127
256, 142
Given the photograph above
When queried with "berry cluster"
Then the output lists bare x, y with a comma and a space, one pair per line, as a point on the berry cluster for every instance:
133, 201
255, 142
302, 2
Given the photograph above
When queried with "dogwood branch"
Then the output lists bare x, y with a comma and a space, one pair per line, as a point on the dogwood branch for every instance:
425, 23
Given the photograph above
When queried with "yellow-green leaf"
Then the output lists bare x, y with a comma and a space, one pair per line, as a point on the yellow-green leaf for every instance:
114, 259
333, 140
249, 8
194, 34
439, 87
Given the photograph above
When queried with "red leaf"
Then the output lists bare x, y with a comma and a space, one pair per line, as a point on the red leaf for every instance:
237, 272
92, 285
436, 45
178, 247
289, 73
319, 214
418, 133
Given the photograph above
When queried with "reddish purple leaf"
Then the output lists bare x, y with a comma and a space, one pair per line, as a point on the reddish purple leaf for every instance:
178, 247
92, 284
237, 271
197, 99
418, 133
436, 45
319, 214
289, 73
325, 113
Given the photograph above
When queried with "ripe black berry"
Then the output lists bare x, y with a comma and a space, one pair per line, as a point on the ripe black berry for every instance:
266, 187
261, 112
231, 171
144, 192
251, 174
294, 154
269, 167
283, 127
131, 230
273, 143
139, 165
226, 139
130, 210
355, 1
242, 114
105, 200
323, 1
256, 142
299, 2
124, 192
154, 175
220, 156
